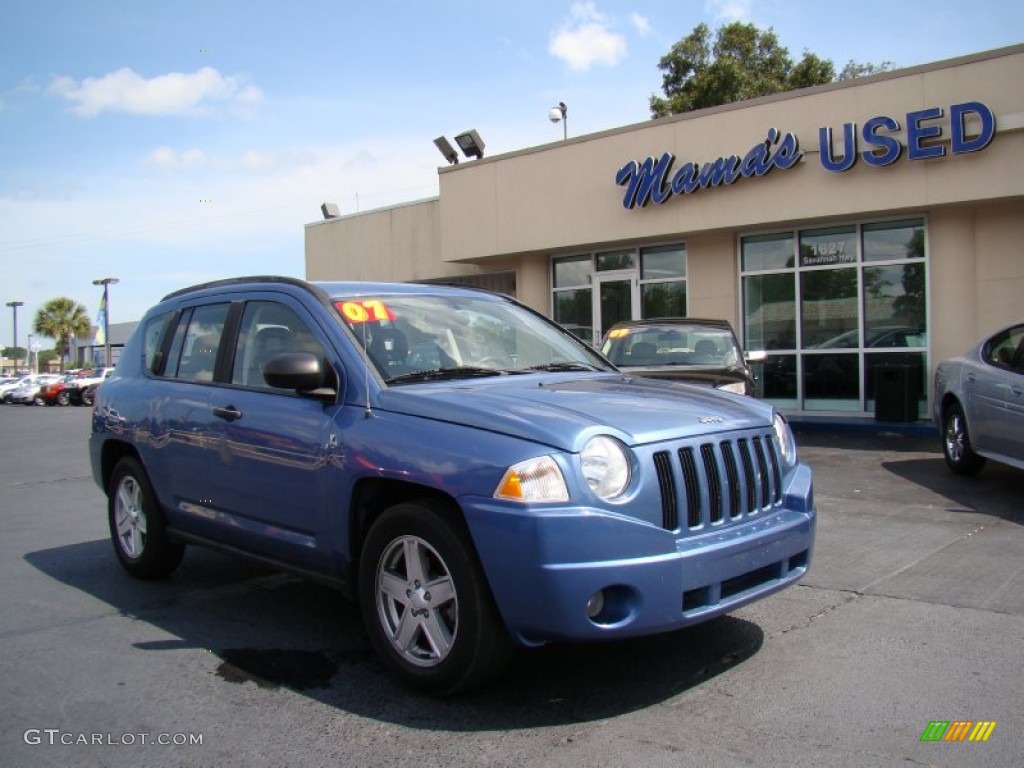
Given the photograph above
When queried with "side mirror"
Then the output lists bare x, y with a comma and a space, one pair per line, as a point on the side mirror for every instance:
298, 371
755, 357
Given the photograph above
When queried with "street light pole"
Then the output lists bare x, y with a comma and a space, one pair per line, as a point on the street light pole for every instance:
14, 306
106, 282
31, 368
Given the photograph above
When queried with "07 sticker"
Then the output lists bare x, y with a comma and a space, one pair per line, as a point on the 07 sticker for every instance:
364, 311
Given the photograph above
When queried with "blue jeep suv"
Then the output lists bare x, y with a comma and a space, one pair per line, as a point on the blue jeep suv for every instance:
471, 472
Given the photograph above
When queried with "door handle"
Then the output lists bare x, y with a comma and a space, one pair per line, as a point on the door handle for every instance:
229, 413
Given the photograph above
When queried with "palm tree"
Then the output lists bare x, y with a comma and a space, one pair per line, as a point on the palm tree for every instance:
60, 319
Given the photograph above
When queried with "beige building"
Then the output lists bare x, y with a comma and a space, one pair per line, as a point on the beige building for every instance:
872, 222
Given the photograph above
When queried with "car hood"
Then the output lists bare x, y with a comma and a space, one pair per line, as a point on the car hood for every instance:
708, 376
565, 411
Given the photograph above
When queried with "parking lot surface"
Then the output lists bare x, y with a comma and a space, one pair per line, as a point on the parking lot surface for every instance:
912, 613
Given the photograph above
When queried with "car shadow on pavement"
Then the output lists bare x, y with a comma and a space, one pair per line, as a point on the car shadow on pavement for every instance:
918, 460
272, 630
994, 491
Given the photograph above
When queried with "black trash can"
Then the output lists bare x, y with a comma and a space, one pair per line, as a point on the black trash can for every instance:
897, 390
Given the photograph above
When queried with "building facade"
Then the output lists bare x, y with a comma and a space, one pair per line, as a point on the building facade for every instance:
874, 222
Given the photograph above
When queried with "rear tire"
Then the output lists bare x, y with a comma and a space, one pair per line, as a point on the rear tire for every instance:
137, 525
87, 396
63, 397
425, 601
956, 443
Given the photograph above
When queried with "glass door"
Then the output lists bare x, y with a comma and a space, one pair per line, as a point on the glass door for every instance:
616, 297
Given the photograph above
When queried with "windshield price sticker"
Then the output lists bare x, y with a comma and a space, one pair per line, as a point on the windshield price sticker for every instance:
368, 310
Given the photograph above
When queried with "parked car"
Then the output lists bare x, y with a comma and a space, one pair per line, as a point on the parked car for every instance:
888, 336
85, 383
10, 385
27, 391
477, 476
55, 392
979, 403
696, 351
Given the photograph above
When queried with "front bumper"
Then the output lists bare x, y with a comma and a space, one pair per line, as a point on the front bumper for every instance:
544, 566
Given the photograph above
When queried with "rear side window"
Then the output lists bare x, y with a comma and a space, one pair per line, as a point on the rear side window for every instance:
152, 342
193, 354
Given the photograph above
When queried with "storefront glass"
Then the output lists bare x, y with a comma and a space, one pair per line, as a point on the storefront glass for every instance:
861, 303
612, 278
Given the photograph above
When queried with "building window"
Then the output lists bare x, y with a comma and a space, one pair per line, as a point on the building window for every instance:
663, 281
573, 297
828, 306
631, 283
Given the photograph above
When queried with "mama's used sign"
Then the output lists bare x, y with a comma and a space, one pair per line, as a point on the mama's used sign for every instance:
655, 181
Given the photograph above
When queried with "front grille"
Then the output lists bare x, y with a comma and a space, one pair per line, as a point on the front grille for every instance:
731, 480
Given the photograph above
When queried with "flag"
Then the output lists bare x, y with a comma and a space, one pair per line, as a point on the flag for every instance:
101, 322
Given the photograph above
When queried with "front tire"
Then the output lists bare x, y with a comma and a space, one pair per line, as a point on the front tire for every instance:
86, 397
956, 443
137, 526
426, 604
63, 398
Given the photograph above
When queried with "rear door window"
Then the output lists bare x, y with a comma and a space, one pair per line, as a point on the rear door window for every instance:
193, 354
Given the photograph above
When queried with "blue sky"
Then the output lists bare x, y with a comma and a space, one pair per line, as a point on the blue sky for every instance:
173, 143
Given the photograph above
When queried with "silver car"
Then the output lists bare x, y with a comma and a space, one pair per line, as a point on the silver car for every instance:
979, 403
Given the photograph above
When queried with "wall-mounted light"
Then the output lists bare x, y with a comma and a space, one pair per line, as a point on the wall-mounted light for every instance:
471, 144
447, 150
560, 113
330, 210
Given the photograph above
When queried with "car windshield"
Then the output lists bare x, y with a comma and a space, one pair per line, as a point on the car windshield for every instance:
422, 337
672, 345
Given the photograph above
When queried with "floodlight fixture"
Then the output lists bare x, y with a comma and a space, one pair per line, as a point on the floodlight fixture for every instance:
446, 149
560, 113
330, 210
471, 144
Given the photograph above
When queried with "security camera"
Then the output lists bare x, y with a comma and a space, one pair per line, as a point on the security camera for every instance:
554, 114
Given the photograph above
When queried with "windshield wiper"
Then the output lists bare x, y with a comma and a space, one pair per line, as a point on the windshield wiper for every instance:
563, 367
441, 374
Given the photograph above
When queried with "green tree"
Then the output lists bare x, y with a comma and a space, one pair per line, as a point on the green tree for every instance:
60, 319
854, 70
14, 353
742, 62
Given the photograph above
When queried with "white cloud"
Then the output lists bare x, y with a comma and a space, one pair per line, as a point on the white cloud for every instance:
640, 23
586, 38
729, 10
165, 157
176, 93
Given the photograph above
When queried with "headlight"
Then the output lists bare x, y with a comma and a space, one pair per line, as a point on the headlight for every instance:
737, 388
533, 480
605, 466
784, 436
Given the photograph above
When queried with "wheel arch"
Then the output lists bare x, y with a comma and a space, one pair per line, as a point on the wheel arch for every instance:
373, 496
113, 452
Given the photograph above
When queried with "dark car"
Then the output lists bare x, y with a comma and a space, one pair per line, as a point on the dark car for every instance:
979, 403
693, 350
474, 474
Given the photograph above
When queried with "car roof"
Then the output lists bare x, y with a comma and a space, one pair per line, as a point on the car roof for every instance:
332, 289
656, 321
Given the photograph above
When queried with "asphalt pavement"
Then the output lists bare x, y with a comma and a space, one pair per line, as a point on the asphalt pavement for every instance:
912, 613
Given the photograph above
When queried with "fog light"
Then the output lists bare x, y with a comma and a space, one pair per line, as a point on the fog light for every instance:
595, 605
